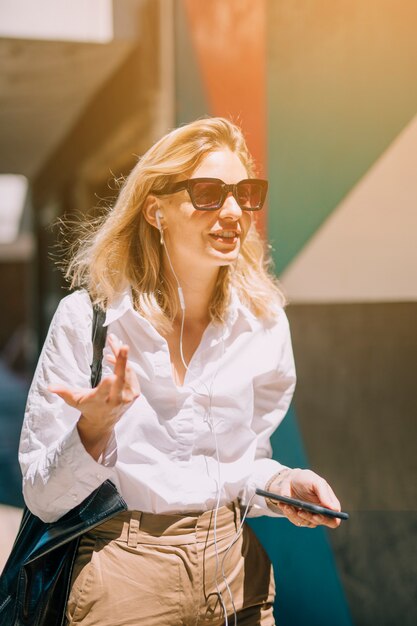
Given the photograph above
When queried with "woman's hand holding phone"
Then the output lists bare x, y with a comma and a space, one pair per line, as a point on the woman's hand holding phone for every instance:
307, 486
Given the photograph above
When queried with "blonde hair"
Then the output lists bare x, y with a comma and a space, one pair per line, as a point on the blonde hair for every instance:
124, 248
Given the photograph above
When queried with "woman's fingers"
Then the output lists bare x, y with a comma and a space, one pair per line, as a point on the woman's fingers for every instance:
113, 394
290, 513
118, 358
309, 486
326, 495
115, 344
121, 362
77, 397
103, 390
313, 519
119, 378
70, 396
126, 387
299, 517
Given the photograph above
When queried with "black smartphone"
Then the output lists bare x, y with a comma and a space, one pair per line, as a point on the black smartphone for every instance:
301, 504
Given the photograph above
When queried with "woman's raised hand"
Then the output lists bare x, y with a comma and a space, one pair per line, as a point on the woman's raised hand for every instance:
310, 487
102, 406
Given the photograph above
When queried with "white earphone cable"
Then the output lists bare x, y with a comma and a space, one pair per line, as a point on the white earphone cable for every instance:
212, 428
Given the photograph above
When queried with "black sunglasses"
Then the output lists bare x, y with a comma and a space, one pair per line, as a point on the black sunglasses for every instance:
209, 194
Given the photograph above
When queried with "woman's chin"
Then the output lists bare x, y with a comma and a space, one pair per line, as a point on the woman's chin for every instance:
226, 259
225, 254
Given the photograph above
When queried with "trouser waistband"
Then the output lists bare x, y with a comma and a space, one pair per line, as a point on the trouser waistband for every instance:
133, 527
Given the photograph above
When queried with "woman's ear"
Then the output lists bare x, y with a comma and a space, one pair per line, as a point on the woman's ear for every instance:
150, 209
153, 215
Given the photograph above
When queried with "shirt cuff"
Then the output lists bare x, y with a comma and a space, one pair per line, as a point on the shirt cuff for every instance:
108, 458
264, 470
86, 473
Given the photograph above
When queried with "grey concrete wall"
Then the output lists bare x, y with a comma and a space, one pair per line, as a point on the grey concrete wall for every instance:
356, 403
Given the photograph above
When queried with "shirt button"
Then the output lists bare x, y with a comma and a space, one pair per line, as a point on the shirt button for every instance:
74, 496
99, 476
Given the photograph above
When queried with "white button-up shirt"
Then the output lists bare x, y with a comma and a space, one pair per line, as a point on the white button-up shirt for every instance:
177, 448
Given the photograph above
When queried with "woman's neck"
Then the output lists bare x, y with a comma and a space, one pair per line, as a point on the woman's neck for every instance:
197, 289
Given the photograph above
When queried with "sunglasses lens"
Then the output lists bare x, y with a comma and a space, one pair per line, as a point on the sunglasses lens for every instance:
250, 195
207, 194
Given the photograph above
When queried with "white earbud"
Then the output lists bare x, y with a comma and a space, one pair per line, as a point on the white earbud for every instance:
158, 216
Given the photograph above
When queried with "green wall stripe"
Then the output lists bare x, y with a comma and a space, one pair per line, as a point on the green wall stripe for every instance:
342, 85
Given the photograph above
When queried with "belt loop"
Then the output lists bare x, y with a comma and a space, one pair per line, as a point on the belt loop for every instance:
134, 524
236, 506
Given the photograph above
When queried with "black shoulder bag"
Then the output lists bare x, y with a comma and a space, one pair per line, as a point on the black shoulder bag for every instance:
34, 584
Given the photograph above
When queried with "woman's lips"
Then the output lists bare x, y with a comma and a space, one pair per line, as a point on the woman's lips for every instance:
225, 236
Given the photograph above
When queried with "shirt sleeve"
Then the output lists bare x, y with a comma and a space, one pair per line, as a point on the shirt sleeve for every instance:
58, 472
273, 392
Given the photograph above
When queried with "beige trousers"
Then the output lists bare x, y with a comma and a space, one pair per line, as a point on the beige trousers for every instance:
162, 570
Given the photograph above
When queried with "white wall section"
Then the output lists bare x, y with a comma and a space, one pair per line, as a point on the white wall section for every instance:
367, 249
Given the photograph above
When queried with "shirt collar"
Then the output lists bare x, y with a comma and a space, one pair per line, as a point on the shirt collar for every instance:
238, 311
123, 302
119, 306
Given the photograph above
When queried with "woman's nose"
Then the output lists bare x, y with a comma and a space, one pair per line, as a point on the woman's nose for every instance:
230, 208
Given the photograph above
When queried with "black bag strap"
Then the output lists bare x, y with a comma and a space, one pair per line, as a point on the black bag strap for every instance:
98, 337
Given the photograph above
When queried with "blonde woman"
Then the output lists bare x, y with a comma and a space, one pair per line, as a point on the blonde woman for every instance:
198, 373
